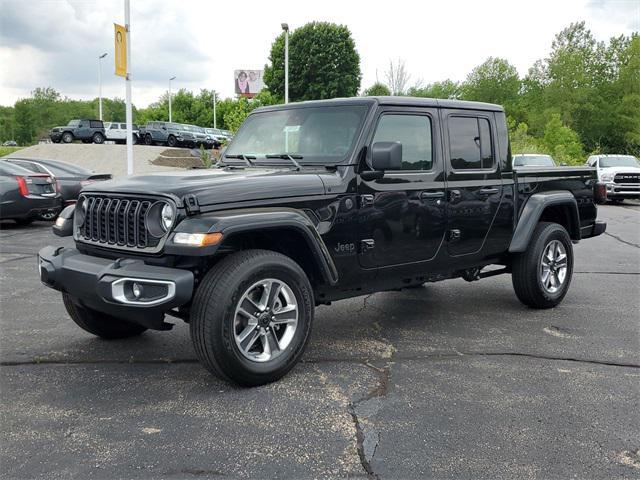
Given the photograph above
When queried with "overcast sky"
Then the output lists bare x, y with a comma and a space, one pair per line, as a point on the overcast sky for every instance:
57, 42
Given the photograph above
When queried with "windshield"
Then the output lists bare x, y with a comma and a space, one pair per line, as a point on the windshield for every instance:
325, 135
533, 161
73, 123
619, 161
177, 126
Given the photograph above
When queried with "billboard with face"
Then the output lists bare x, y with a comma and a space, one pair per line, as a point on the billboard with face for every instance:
248, 83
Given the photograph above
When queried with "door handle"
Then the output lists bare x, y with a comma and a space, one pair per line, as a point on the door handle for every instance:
488, 191
427, 195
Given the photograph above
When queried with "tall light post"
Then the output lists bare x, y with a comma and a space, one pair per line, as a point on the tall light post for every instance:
172, 78
214, 109
285, 27
100, 82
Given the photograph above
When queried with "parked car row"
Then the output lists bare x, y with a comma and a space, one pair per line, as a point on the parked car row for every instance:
182, 135
154, 133
36, 188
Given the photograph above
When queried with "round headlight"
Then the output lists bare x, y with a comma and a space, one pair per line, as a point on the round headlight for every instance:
167, 217
160, 218
81, 211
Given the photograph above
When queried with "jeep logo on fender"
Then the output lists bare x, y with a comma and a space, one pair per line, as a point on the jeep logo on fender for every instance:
345, 248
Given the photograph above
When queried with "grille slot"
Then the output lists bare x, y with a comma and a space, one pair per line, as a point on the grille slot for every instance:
119, 222
627, 178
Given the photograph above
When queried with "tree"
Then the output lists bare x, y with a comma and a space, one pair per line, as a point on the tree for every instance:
323, 63
494, 81
377, 89
562, 142
397, 77
445, 89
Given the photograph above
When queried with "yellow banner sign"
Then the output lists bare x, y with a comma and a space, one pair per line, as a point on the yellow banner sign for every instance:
121, 50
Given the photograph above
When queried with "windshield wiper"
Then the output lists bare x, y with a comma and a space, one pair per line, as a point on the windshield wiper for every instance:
287, 156
246, 158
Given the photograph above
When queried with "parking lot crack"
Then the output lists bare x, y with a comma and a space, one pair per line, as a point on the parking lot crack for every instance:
362, 410
621, 240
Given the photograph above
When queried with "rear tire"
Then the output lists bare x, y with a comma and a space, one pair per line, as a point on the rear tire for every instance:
541, 276
98, 138
263, 345
100, 324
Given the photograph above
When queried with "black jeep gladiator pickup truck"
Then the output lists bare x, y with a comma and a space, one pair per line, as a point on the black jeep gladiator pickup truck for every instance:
315, 202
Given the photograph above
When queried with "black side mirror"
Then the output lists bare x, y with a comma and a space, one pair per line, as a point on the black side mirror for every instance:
386, 156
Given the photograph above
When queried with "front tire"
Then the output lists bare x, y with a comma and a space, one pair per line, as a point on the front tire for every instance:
67, 137
148, 140
251, 317
100, 324
171, 141
541, 276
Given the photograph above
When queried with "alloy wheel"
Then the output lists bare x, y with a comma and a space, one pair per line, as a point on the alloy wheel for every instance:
265, 320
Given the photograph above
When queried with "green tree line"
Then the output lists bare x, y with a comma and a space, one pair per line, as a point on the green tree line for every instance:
583, 97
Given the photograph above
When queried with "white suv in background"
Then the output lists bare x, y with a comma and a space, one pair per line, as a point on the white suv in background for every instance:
621, 173
117, 132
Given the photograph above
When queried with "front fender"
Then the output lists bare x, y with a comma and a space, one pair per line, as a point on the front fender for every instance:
231, 222
532, 212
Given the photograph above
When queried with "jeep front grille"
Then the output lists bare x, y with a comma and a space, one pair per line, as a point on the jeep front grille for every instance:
627, 178
118, 222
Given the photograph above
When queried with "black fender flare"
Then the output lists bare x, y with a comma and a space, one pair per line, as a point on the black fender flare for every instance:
532, 211
231, 222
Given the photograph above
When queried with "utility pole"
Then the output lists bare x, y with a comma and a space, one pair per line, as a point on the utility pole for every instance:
285, 27
100, 82
214, 109
172, 78
129, 112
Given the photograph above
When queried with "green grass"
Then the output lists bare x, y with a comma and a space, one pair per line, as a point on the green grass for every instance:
4, 151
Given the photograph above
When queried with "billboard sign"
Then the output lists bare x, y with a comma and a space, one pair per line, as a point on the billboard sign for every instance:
248, 83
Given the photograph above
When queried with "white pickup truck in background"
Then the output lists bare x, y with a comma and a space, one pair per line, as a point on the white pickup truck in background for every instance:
117, 132
621, 174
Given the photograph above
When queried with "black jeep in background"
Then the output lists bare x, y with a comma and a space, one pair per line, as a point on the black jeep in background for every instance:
85, 130
315, 202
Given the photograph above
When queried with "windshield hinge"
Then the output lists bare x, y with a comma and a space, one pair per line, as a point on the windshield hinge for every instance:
191, 204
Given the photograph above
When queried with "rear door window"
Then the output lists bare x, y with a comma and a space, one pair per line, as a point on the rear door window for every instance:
470, 143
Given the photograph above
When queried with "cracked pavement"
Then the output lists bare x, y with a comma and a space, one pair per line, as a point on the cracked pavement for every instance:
453, 380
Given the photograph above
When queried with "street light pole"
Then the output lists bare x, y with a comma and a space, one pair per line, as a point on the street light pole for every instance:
128, 107
285, 27
100, 82
172, 78
214, 109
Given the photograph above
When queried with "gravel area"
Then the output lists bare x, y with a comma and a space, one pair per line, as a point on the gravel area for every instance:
112, 158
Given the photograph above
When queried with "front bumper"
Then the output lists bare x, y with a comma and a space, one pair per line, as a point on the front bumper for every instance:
622, 190
106, 285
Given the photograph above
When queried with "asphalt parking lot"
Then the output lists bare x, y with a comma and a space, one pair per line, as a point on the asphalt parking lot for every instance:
453, 380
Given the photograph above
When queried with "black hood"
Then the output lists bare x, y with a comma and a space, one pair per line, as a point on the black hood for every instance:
217, 186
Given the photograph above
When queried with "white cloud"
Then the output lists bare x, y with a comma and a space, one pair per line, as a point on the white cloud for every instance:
56, 43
